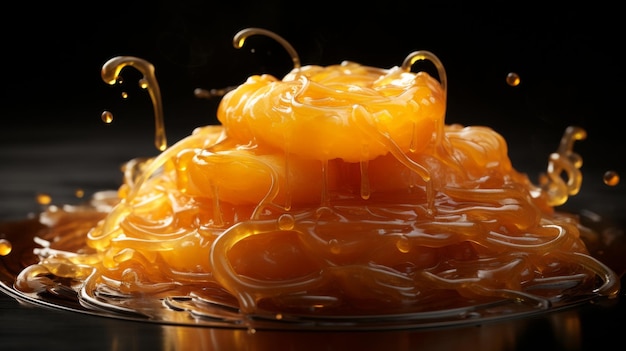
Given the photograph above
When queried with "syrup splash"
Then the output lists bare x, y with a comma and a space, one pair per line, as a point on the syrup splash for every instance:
111, 75
562, 179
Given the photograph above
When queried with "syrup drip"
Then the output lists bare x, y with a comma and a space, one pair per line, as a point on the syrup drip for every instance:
111, 73
288, 183
563, 177
325, 193
240, 38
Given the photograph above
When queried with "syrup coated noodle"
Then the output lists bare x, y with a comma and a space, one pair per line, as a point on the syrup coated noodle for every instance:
336, 190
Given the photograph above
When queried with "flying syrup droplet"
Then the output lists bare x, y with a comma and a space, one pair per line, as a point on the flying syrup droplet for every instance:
5, 247
107, 117
335, 247
44, 199
403, 244
79, 193
513, 79
611, 178
124, 95
111, 74
286, 222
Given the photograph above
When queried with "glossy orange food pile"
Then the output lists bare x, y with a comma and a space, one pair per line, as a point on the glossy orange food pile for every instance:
336, 190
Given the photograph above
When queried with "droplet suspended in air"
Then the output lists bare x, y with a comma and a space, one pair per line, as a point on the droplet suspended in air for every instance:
107, 117
403, 244
124, 95
611, 178
5, 247
513, 79
110, 74
286, 222
79, 193
212, 93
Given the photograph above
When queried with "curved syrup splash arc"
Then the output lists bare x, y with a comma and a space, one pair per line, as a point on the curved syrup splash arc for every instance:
563, 176
110, 74
240, 38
